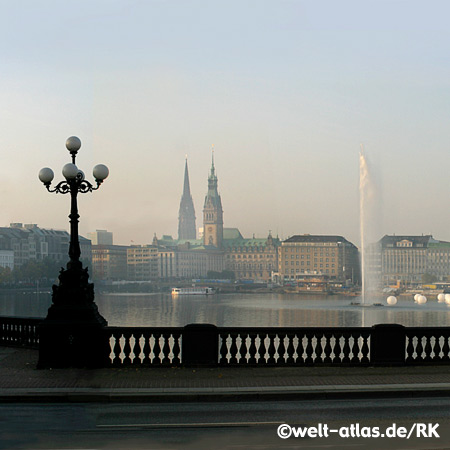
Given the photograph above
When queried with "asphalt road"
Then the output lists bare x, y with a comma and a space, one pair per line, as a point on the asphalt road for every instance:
227, 425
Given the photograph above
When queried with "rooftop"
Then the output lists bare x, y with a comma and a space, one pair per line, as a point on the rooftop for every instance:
313, 238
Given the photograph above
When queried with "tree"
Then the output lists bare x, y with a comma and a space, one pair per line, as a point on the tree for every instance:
224, 275
428, 278
5, 275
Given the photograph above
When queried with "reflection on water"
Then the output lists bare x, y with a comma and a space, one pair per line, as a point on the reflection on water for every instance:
25, 304
275, 310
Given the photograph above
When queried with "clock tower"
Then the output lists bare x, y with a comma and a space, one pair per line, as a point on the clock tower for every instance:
212, 212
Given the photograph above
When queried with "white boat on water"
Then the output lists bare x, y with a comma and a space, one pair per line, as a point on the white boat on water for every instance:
193, 291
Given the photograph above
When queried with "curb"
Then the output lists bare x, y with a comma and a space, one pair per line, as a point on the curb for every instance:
231, 394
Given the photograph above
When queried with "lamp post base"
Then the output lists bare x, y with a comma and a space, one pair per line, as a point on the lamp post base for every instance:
72, 334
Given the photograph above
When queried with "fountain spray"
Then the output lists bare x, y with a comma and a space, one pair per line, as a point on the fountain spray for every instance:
363, 191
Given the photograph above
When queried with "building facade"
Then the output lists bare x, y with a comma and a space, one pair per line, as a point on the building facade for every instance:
109, 262
142, 263
407, 259
29, 242
7, 259
250, 259
101, 237
331, 257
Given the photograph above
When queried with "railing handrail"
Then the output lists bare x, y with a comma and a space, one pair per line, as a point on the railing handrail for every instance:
21, 319
144, 329
291, 329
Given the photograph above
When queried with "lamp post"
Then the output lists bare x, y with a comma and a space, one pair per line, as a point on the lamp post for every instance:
71, 334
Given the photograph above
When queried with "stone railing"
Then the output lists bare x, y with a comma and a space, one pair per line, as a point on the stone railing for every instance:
427, 345
208, 345
144, 346
294, 346
203, 344
19, 332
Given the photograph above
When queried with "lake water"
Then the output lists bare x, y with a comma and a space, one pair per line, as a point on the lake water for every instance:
275, 310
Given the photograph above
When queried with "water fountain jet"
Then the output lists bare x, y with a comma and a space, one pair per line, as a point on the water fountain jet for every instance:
368, 221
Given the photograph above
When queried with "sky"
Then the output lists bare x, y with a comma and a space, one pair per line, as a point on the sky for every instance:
285, 90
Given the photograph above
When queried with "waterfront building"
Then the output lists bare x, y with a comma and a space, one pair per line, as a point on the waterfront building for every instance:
167, 263
109, 262
327, 257
142, 263
186, 258
7, 259
101, 237
407, 259
29, 242
250, 259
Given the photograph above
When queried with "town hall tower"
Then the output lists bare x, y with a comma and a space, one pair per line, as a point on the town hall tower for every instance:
213, 213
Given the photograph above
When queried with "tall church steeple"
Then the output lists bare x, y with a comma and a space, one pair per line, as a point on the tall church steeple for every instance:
212, 212
186, 216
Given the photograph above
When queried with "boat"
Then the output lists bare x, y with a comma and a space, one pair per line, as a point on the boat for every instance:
193, 291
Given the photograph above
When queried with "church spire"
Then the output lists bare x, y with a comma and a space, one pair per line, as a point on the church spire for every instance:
186, 216
186, 186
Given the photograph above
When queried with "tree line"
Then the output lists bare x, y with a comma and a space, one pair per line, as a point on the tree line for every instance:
32, 271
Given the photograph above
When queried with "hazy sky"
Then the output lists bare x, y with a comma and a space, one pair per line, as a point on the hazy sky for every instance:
285, 90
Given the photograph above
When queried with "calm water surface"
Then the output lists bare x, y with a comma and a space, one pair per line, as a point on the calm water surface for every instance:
241, 310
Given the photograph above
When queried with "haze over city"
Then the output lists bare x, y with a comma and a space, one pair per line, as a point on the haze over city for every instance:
285, 91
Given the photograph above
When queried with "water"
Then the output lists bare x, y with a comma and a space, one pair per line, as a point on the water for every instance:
270, 310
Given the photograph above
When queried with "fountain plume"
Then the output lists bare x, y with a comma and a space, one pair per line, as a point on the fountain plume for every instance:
368, 221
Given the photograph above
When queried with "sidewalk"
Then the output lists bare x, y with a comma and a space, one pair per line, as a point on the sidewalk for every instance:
21, 381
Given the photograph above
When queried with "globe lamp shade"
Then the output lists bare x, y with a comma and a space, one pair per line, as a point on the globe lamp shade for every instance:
46, 175
100, 172
73, 144
70, 171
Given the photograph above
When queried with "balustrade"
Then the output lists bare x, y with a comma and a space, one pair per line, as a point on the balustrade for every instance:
144, 346
293, 346
19, 332
427, 345
256, 346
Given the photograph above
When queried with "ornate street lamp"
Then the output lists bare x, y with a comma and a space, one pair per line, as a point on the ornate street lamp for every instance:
75, 182
71, 334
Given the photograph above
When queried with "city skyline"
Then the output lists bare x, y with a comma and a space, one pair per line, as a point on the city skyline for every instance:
285, 92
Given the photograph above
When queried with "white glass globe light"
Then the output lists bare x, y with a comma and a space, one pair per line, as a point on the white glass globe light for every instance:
46, 175
416, 297
73, 144
81, 174
447, 299
70, 171
391, 300
100, 172
441, 298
